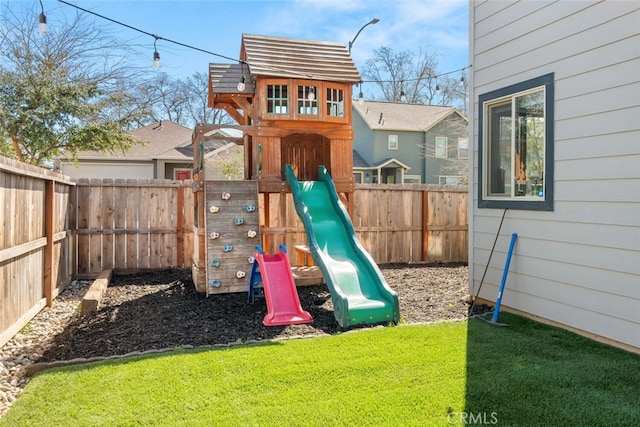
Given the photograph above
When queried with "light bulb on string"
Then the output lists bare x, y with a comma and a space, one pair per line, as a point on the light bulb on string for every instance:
156, 56
241, 84
42, 20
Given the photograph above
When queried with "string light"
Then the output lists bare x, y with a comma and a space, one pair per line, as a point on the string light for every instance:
241, 85
156, 55
360, 95
42, 20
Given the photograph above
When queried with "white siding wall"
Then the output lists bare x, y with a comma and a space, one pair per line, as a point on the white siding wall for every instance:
578, 265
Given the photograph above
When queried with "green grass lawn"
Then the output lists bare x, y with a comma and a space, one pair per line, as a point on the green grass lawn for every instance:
444, 374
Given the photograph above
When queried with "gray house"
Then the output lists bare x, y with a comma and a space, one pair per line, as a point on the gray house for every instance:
555, 127
409, 143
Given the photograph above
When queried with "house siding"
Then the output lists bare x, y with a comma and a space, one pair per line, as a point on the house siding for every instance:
452, 128
409, 149
363, 141
578, 265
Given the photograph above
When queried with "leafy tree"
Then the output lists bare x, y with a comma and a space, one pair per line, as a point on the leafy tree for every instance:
63, 92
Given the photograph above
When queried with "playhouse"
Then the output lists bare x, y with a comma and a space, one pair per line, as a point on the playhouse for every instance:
292, 100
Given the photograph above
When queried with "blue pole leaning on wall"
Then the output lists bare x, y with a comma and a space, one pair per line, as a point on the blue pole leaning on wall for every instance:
496, 311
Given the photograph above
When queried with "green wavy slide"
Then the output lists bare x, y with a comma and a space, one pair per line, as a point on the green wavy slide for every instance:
359, 292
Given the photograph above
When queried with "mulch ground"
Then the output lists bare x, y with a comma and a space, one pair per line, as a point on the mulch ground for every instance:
162, 310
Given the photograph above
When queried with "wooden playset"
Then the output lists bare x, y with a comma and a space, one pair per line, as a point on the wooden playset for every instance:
292, 100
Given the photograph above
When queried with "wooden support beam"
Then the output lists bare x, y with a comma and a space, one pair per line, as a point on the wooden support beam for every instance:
233, 112
94, 295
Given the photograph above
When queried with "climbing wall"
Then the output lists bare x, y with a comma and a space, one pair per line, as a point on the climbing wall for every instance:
232, 229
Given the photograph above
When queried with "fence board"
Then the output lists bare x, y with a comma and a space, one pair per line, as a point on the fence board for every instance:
33, 238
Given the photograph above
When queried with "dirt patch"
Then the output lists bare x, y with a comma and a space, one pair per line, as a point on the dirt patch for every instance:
162, 310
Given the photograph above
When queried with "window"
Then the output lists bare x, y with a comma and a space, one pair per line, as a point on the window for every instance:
335, 102
393, 142
441, 147
463, 148
515, 146
277, 99
449, 180
307, 100
412, 179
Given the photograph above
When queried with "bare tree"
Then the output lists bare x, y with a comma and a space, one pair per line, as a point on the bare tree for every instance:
196, 89
182, 101
405, 77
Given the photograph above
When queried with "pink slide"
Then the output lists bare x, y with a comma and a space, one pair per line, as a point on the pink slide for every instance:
283, 303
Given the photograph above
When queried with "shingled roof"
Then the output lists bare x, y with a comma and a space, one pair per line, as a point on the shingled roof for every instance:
397, 116
298, 58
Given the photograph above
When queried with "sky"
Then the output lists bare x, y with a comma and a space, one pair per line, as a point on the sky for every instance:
435, 26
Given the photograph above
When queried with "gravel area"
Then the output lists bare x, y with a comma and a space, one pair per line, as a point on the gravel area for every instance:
161, 310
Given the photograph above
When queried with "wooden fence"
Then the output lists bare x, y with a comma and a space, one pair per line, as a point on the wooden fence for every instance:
132, 224
394, 223
36, 242
54, 230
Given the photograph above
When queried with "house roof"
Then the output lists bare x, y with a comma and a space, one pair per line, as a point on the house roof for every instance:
163, 139
386, 163
403, 117
359, 161
298, 58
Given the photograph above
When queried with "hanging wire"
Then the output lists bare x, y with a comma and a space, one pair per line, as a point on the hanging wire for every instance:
157, 37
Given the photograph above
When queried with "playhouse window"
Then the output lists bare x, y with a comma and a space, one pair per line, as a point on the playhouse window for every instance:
335, 102
308, 100
516, 146
277, 99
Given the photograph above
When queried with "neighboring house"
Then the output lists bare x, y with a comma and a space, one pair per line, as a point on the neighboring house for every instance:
399, 143
555, 125
165, 151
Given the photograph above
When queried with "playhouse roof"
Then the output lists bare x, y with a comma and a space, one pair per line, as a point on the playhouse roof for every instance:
298, 58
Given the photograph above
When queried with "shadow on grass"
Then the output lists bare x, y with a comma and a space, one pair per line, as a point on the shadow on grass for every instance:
531, 374
176, 315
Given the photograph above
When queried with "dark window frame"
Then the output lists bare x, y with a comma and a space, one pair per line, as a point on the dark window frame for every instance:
545, 203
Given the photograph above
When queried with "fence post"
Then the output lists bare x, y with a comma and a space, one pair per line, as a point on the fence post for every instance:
180, 226
49, 211
425, 225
